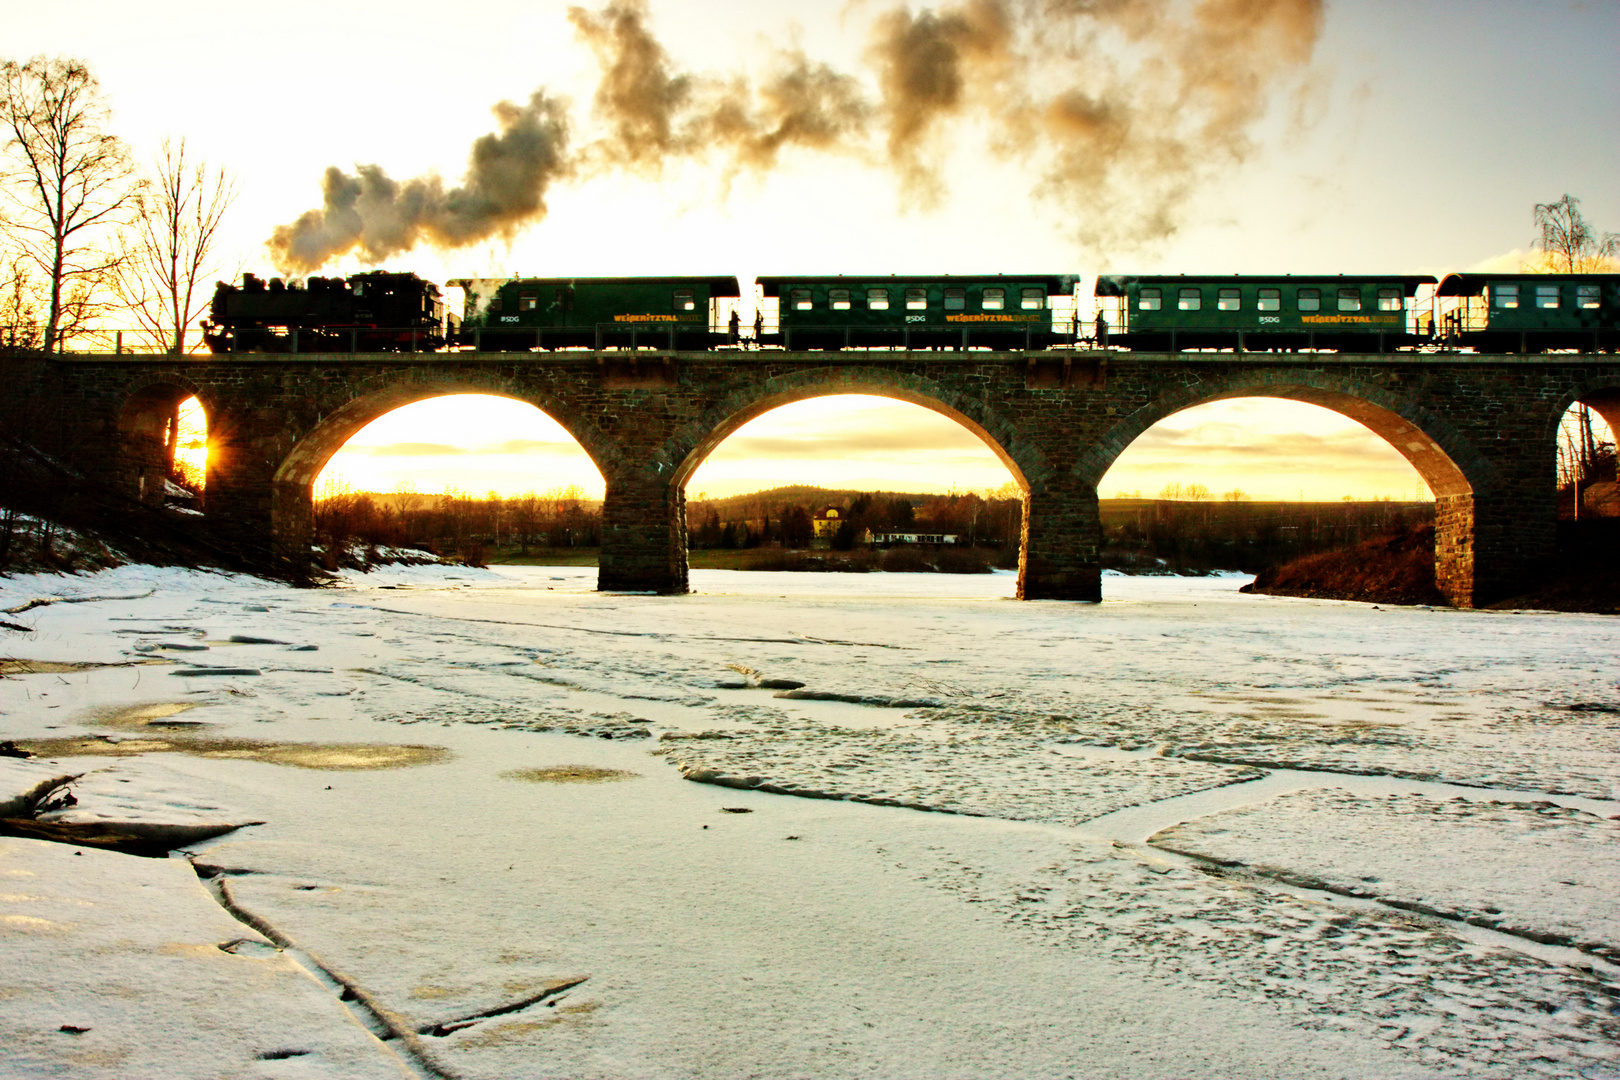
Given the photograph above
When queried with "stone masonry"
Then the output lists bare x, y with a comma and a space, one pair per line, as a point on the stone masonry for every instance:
1479, 429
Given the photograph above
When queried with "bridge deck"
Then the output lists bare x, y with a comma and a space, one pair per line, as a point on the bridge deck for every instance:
845, 356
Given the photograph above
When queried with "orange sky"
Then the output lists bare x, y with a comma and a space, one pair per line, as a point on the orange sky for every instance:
1268, 449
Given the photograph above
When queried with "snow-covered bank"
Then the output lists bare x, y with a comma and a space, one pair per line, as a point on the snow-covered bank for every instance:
721, 929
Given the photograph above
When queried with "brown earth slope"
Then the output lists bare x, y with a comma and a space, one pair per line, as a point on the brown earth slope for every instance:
1399, 569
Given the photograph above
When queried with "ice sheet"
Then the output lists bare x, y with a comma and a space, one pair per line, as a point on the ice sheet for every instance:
1023, 932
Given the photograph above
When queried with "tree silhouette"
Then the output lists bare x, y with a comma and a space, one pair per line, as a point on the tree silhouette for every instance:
69, 181
1568, 244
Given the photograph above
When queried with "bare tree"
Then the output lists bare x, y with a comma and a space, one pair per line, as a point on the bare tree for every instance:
19, 317
1567, 243
69, 180
170, 250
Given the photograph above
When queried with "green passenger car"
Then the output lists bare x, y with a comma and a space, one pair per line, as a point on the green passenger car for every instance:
1350, 314
519, 314
948, 312
1531, 312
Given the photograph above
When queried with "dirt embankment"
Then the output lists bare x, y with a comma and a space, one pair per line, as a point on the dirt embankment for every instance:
1398, 568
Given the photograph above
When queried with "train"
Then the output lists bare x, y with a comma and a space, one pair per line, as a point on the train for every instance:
375, 311
380, 311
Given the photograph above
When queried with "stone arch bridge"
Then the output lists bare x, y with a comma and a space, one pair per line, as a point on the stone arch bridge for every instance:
1481, 430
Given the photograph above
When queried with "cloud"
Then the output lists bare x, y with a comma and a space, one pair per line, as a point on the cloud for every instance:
530, 446
853, 443
405, 449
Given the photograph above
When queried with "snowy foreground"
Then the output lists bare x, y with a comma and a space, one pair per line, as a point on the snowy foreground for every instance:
498, 825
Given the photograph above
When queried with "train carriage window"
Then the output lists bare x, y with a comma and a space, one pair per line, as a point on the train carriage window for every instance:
1588, 296
1505, 296
528, 301
1148, 300
1033, 299
799, 300
955, 299
916, 299
994, 299
1546, 296
1229, 300
1389, 299
1310, 299
1349, 299
495, 302
838, 299
1191, 300
684, 300
1269, 300
877, 299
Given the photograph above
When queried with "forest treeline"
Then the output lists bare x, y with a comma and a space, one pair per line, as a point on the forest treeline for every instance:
1166, 535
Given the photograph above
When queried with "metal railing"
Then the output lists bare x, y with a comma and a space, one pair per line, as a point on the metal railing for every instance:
1456, 331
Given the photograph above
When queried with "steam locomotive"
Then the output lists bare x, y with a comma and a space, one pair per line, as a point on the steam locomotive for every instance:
371, 312
387, 312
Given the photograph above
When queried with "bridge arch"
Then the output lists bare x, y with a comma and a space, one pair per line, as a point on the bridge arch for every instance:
293, 482
147, 429
695, 441
1600, 394
653, 506
1449, 464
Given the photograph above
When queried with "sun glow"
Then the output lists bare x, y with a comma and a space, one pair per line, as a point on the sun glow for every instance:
470, 442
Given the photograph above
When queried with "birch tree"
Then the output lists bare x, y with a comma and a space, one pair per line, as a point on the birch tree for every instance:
1568, 244
69, 183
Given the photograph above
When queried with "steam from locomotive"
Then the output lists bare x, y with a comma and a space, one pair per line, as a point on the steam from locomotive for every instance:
1122, 106
508, 174
655, 113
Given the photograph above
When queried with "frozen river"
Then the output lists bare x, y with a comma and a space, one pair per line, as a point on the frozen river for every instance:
881, 825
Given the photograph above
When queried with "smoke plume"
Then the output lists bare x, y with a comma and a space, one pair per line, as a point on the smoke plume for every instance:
508, 174
655, 114
1117, 110
931, 66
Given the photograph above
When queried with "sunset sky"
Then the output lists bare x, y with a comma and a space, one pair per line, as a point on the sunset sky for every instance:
1397, 136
